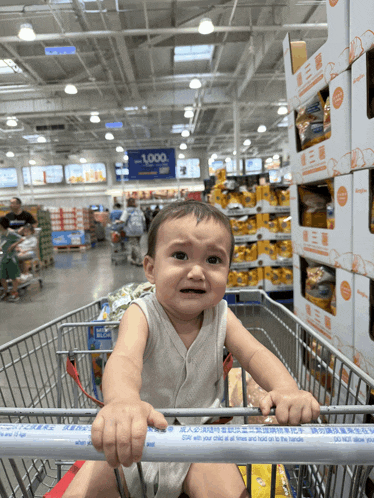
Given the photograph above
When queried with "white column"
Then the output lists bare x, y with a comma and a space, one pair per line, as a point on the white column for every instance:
236, 117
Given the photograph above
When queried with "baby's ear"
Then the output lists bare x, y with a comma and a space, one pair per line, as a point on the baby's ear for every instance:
148, 265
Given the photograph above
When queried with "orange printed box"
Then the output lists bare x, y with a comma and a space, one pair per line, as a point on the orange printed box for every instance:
328, 246
338, 328
330, 157
361, 29
325, 64
364, 324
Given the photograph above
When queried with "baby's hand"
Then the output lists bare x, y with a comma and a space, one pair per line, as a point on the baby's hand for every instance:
292, 407
120, 429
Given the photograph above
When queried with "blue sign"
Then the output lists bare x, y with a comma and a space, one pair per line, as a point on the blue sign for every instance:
149, 164
114, 124
59, 50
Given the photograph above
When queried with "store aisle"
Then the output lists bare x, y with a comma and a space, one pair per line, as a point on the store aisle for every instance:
76, 279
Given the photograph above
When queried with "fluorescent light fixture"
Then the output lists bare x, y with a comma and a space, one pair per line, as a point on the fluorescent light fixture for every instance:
71, 89
144, 107
119, 148
228, 160
185, 133
95, 118
188, 114
181, 156
11, 121
41, 140
114, 124
276, 156
82, 160
125, 157
206, 26
9, 66
282, 110
183, 146
193, 53
261, 129
32, 162
195, 83
9, 154
26, 32
177, 128
247, 142
109, 136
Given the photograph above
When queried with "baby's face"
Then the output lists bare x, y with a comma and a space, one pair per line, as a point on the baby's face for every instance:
191, 265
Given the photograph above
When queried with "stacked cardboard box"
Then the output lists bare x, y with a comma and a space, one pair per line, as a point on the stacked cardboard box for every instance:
71, 226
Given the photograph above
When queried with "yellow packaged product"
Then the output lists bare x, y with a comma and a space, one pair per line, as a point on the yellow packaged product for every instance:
314, 208
276, 276
319, 286
330, 206
283, 197
309, 122
242, 279
235, 227
269, 249
327, 119
224, 200
261, 481
273, 224
269, 195
234, 200
287, 276
239, 254
248, 199
243, 227
284, 223
221, 175
231, 281
253, 277
284, 249
251, 252
333, 302
251, 225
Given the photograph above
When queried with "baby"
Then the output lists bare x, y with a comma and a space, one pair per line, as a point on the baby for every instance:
169, 355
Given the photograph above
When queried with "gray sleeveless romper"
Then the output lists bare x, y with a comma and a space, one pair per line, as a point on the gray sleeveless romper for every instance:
174, 377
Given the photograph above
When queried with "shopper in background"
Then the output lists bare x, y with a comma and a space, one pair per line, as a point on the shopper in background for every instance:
9, 267
18, 217
115, 215
148, 217
27, 249
156, 211
134, 221
169, 353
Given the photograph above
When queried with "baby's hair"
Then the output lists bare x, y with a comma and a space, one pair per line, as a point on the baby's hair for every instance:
179, 209
4, 222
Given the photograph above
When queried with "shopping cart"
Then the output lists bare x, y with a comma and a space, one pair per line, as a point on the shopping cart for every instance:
37, 385
118, 241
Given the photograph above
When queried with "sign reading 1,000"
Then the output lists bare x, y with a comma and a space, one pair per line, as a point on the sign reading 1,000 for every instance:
154, 158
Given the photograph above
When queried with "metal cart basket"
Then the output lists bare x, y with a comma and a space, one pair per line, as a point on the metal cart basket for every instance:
33, 379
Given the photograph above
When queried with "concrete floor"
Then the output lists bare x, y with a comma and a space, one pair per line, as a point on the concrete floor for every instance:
76, 279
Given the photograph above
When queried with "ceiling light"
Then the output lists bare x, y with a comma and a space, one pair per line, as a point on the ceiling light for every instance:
71, 89
41, 140
188, 114
276, 156
183, 146
214, 156
32, 162
11, 121
234, 152
195, 83
10, 154
269, 160
119, 148
206, 26
95, 118
181, 156
125, 157
247, 142
228, 160
261, 129
109, 136
83, 160
185, 133
282, 110
26, 32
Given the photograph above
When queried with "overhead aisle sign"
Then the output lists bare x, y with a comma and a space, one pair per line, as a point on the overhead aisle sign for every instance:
150, 164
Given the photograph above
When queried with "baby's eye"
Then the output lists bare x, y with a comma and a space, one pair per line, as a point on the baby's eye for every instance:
180, 255
214, 260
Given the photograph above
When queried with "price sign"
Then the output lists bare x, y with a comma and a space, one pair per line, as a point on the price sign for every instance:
148, 164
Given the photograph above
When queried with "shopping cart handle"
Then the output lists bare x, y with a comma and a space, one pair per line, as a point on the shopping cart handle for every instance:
241, 444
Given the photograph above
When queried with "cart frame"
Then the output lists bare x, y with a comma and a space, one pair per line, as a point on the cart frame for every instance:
30, 377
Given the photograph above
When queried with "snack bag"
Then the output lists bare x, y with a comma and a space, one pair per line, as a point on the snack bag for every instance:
248, 199
319, 286
224, 200
236, 255
284, 223
287, 276
251, 225
284, 249
314, 208
309, 122
251, 252
330, 206
327, 119
221, 175
231, 281
273, 225
253, 277
333, 302
242, 279
276, 276
270, 249
234, 200
243, 228
235, 227
269, 195
283, 197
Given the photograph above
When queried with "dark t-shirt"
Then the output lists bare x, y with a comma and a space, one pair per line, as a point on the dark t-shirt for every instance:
19, 220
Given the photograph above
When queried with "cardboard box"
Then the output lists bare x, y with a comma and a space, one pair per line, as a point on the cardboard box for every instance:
362, 126
363, 239
69, 238
337, 329
332, 157
361, 31
364, 324
325, 64
331, 247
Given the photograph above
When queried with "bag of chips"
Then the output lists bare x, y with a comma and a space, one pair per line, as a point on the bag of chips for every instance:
327, 119
309, 122
319, 286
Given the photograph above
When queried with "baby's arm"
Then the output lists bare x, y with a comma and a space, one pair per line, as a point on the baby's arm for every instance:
292, 405
120, 428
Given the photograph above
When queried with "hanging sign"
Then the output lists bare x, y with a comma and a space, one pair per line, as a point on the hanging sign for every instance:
150, 164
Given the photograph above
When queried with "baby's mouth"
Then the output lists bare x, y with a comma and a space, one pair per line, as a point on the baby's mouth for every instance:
195, 291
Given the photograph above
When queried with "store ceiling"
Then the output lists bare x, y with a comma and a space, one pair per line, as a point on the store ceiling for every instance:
124, 68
